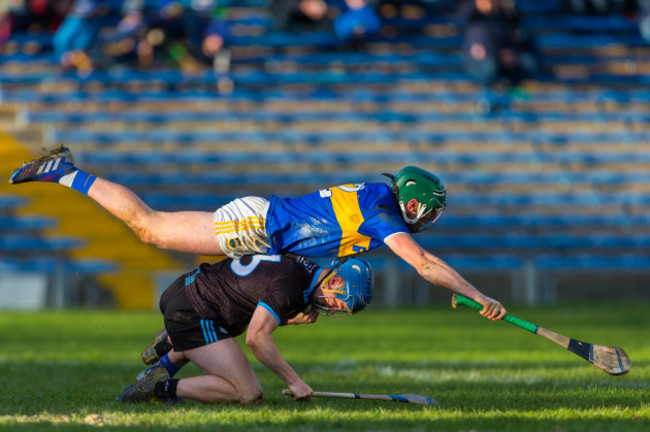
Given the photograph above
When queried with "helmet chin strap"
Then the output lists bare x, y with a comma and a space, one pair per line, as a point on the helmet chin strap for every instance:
326, 279
332, 272
421, 210
323, 283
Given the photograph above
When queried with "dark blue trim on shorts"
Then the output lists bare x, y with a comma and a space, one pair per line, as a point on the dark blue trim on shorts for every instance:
209, 333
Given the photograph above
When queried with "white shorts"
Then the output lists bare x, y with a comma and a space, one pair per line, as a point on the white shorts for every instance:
240, 226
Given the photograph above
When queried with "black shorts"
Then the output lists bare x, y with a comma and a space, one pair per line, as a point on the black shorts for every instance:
186, 329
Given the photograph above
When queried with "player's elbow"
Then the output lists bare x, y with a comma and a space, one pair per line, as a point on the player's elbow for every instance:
254, 342
148, 236
148, 228
251, 341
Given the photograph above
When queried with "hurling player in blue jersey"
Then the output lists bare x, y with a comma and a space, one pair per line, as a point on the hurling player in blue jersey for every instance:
206, 308
333, 222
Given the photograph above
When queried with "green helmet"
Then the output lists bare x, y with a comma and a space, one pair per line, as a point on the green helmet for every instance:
426, 188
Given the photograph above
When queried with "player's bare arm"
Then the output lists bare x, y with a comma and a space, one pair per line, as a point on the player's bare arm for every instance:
260, 340
439, 273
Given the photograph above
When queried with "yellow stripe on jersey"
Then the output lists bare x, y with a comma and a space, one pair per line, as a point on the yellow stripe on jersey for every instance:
251, 222
348, 215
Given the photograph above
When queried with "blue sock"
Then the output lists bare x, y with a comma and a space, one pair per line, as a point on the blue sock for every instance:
167, 364
78, 180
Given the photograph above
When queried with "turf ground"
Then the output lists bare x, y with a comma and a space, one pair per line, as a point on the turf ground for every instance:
62, 370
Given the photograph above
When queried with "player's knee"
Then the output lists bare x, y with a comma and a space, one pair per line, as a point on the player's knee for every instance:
251, 396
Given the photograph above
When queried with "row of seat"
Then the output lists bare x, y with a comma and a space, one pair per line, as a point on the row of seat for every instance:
576, 158
541, 242
570, 207
51, 264
589, 262
285, 117
8, 203
19, 244
263, 78
322, 138
482, 179
437, 88
13, 223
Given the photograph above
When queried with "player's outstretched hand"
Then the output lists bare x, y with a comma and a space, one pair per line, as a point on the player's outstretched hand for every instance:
301, 392
492, 309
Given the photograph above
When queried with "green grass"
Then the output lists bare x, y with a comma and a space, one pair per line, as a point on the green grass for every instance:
62, 371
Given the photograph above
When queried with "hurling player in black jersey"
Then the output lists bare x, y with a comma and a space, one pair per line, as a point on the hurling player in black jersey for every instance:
204, 309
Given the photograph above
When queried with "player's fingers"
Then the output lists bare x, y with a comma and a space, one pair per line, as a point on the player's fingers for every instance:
487, 310
497, 313
306, 398
493, 311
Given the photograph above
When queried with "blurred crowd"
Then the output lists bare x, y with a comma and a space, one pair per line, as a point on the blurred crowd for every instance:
97, 33
192, 34
149, 33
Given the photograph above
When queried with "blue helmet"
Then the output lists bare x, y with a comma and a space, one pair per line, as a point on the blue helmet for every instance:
358, 289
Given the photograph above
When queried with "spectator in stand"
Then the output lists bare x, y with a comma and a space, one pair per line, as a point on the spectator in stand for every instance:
76, 41
356, 21
121, 45
31, 16
644, 19
5, 25
302, 16
495, 48
35, 16
214, 39
594, 7
154, 33
188, 35
163, 28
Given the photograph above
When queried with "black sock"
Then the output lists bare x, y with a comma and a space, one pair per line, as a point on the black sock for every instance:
166, 389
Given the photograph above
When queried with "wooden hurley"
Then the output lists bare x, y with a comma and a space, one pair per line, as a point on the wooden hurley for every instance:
407, 398
610, 359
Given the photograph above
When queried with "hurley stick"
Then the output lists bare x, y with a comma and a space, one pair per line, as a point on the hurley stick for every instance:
407, 398
610, 359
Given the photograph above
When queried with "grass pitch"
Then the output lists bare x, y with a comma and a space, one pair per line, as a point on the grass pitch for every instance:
62, 371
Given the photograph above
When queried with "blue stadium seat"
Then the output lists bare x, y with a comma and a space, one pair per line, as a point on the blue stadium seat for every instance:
535, 220
16, 223
384, 116
593, 262
49, 264
529, 7
526, 243
584, 23
20, 244
8, 203
91, 266
582, 41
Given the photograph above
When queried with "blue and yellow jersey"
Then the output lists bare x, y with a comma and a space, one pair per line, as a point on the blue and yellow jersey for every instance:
338, 221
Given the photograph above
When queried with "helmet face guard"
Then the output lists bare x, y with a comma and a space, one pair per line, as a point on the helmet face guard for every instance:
424, 221
358, 288
426, 188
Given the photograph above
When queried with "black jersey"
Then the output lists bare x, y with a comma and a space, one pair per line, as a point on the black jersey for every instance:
232, 289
